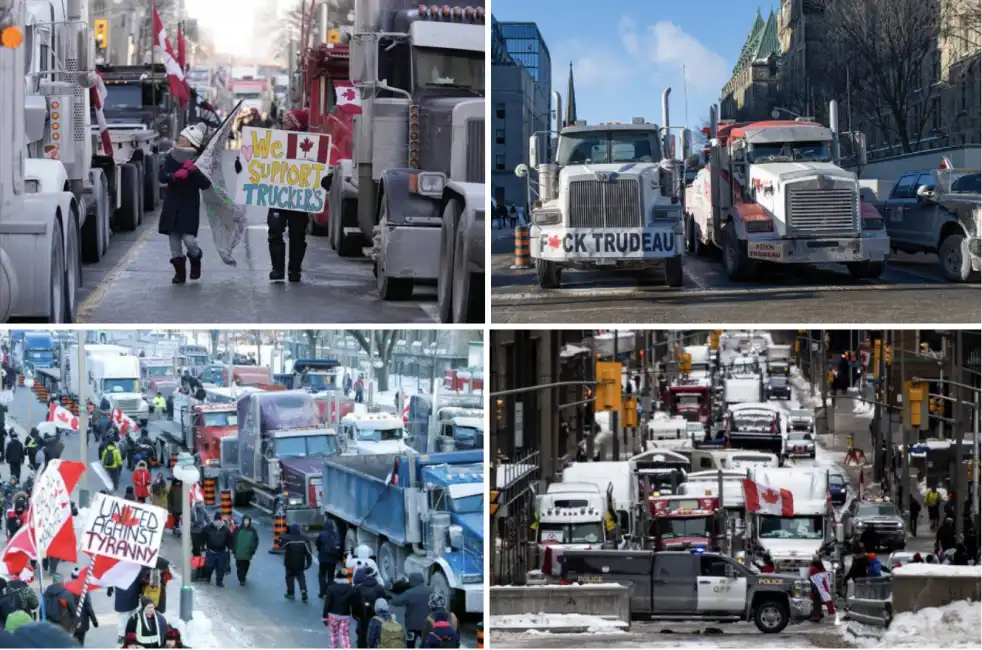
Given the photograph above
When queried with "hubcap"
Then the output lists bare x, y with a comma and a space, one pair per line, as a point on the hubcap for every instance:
953, 260
770, 617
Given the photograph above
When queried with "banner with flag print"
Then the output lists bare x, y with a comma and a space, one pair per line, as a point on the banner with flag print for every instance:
283, 169
226, 218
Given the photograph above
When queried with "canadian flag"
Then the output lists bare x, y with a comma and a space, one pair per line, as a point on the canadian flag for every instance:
18, 553
99, 94
393, 477
767, 500
53, 527
821, 582
106, 572
175, 75
346, 94
405, 410
62, 417
197, 496
305, 146
123, 422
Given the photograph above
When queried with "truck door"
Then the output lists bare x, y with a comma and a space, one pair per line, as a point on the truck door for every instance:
674, 583
721, 588
902, 197
632, 569
920, 218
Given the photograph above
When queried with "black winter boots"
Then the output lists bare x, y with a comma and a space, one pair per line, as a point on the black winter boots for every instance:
195, 265
277, 258
180, 269
297, 252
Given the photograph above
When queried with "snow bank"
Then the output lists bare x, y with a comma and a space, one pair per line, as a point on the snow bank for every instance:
938, 570
198, 632
558, 622
958, 625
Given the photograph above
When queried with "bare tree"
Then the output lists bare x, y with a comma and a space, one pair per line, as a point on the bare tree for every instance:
890, 48
312, 338
213, 337
963, 23
385, 341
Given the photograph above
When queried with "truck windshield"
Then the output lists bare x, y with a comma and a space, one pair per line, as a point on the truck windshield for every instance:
320, 380
220, 420
466, 433
816, 151
438, 68
159, 371
753, 423
121, 385
379, 435
580, 533
668, 528
468, 505
303, 446
877, 510
198, 359
965, 183
599, 147
132, 96
38, 355
804, 527
687, 399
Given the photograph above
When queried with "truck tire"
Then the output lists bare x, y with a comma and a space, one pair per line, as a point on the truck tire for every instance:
92, 245
674, 277
348, 245
771, 616
549, 275
128, 214
955, 265
151, 185
738, 266
56, 288
73, 265
390, 288
140, 188
440, 585
388, 563
866, 270
445, 283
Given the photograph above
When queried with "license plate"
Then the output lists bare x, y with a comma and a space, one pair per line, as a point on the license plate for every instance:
605, 262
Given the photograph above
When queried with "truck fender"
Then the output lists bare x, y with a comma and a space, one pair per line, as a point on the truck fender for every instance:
400, 202
344, 171
741, 213
27, 244
9, 291
50, 174
949, 227
447, 571
471, 195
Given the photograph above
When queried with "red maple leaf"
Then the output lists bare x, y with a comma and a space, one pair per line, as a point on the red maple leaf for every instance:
770, 496
306, 145
554, 241
74, 423
126, 517
348, 94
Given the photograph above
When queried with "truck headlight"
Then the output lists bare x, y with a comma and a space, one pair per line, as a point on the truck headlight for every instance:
802, 589
294, 501
428, 184
546, 218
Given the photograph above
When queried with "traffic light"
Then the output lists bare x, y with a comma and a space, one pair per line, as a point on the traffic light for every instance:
889, 354
877, 352
714, 340
685, 363
499, 412
915, 404
101, 30
629, 413
609, 386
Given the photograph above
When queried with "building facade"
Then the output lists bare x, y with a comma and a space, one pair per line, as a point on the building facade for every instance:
752, 91
521, 76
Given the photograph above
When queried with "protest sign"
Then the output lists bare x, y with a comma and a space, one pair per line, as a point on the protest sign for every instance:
125, 530
51, 509
283, 169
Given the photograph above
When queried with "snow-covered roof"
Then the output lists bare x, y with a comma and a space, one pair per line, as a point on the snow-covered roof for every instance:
938, 570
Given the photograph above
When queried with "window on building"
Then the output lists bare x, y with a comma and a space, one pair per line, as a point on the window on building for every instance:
499, 111
499, 136
499, 163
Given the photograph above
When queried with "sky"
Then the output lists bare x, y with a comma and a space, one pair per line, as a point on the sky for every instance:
232, 22
625, 52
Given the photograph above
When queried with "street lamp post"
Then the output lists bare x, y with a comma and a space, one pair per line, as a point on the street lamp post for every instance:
29, 385
186, 472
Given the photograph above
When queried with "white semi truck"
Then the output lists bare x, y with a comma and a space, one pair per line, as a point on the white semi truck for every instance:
419, 159
773, 192
609, 200
33, 225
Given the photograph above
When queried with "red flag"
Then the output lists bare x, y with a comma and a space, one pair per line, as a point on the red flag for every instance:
181, 59
761, 498
19, 552
175, 73
54, 529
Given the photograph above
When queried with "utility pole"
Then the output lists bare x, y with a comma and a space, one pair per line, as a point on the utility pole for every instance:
959, 409
888, 455
592, 375
823, 363
905, 436
615, 434
83, 415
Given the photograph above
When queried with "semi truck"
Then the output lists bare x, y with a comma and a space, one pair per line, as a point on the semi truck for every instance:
572, 516
756, 425
421, 514
608, 200
373, 433
36, 228
33, 350
773, 192
419, 149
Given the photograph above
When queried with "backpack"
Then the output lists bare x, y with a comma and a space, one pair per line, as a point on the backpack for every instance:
153, 587
332, 543
60, 609
392, 634
442, 634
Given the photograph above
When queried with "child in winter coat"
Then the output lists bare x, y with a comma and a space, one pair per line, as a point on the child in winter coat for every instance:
181, 212
339, 598
383, 630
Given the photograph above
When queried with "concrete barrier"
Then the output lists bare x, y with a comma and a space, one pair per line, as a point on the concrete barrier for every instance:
605, 601
916, 591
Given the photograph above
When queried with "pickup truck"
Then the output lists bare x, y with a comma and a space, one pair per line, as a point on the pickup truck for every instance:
688, 585
937, 211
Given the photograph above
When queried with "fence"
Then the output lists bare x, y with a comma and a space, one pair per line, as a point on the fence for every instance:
870, 601
512, 538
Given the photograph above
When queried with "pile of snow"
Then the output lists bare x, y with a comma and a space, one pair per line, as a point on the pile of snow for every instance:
958, 625
808, 396
559, 622
198, 632
938, 570
862, 409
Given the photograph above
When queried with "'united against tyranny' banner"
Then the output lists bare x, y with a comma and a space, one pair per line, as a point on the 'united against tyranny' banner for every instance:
125, 530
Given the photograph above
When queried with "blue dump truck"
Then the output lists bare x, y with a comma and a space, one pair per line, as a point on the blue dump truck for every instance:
419, 514
33, 350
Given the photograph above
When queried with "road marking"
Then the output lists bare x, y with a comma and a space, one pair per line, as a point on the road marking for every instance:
94, 299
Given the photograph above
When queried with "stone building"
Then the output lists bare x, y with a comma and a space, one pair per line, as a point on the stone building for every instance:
751, 93
801, 29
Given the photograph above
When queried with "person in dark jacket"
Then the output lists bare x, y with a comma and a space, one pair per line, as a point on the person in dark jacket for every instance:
279, 220
88, 615
915, 513
869, 539
945, 538
328, 555
149, 625
297, 558
368, 590
180, 214
339, 601
14, 453
439, 612
199, 522
175, 503
218, 543
245, 542
16, 596
859, 567
126, 602
416, 601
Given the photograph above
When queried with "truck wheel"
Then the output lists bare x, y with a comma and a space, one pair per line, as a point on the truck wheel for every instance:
390, 288
348, 245
150, 183
388, 563
864, 270
56, 288
446, 283
771, 616
93, 247
735, 260
73, 265
140, 189
127, 216
549, 275
673, 271
440, 585
955, 265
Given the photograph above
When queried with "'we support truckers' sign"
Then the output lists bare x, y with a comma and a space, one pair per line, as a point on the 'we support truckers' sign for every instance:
283, 169
125, 530
605, 243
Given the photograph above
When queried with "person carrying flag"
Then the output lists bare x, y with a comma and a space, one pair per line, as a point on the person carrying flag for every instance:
181, 213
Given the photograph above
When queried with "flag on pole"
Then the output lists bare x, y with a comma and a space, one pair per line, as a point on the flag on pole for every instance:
181, 59
175, 73
18, 554
767, 500
98, 98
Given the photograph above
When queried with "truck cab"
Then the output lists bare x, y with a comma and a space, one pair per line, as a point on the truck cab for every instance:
683, 522
690, 402
115, 383
571, 516
156, 368
34, 350
373, 433
464, 431
211, 424
316, 375
757, 425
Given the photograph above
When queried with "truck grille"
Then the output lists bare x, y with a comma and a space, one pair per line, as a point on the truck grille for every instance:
616, 204
475, 151
126, 405
822, 212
